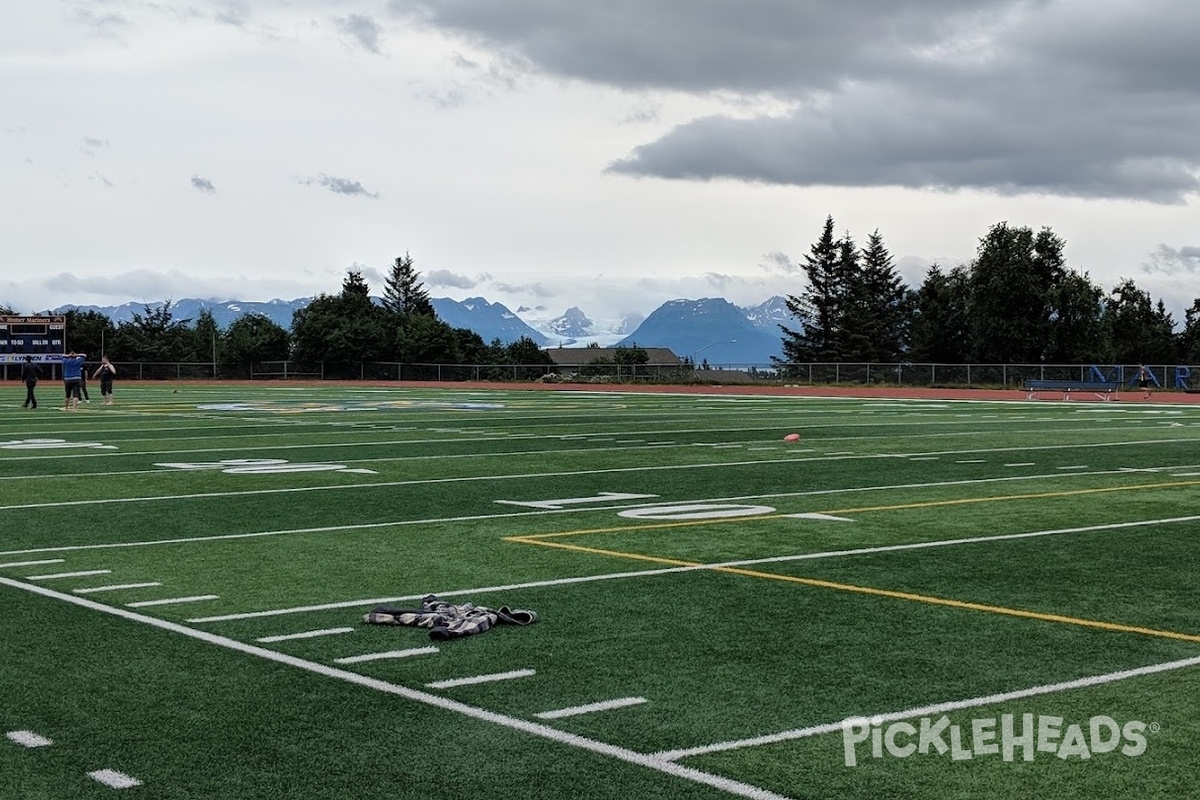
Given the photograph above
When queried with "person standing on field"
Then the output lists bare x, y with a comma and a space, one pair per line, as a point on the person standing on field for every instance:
1144, 379
105, 372
83, 378
30, 374
72, 367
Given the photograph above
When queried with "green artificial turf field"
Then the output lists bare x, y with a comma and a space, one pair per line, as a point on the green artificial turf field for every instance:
918, 599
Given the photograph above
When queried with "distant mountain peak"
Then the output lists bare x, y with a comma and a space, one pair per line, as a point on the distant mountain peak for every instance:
709, 329
572, 323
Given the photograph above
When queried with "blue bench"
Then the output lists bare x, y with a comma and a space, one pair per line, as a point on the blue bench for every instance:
1104, 390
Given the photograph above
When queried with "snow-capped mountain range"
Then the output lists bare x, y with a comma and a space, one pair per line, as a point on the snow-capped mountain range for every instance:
709, 330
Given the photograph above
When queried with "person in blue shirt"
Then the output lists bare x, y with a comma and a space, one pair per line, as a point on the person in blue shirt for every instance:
72, 367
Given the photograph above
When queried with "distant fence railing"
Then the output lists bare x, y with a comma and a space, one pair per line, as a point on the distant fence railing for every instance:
1007, 376
1010, 376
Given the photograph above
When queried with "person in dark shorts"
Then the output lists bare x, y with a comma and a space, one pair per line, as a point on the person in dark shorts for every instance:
72, 367
105, 372
83, 378
30, 374
1144, 380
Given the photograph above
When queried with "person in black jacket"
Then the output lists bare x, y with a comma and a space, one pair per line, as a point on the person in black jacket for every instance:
29, 374
105, 372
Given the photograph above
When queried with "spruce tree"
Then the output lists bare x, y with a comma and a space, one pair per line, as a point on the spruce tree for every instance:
818, 306
881, 302
403, 292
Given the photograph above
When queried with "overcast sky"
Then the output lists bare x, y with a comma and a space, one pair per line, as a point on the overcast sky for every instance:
611, 156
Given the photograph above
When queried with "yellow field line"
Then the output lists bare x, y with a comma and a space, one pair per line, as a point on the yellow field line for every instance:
865, 509
650, 527
1037, 496
868, 590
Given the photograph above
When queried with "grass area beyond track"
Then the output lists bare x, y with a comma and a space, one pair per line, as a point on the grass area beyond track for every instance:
918, 599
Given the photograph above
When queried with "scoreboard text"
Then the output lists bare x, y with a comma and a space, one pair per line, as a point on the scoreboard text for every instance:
41, 338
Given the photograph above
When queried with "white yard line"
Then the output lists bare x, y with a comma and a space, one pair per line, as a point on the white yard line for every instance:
33, 563
413, 651
113, 779
173, 600
287, 637
533, 728
606, 705
28, 739
566, 474
476, 679
647, 573
933, 710
511, 515
485, 590
289, 531
59, 575
372, 460
117, 587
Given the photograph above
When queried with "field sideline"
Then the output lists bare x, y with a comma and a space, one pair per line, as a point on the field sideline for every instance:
932, 594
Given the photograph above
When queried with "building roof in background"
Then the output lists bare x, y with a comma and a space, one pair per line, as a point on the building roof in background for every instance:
587, 355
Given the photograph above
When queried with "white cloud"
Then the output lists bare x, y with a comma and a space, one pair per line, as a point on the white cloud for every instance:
481, 132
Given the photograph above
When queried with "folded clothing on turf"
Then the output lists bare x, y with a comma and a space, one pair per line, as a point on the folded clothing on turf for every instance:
447, 621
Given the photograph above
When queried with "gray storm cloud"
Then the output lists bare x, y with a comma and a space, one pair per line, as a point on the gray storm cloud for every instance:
452, 280
1167, 260
363, 30
1007, 96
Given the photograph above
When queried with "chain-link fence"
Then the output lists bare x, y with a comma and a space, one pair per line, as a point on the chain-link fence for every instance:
1002, 376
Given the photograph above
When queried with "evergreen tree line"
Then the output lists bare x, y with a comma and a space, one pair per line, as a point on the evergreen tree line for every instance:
347, 327
1017, 302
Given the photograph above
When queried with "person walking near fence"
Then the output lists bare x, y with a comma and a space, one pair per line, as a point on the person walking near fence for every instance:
105, 372
1144, 379
72, 367
30, 374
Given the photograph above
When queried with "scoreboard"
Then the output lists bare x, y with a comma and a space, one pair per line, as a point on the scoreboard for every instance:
42, 338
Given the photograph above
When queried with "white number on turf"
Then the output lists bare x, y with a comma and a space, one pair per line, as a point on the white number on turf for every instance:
696, 511
51, 444
603, 497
